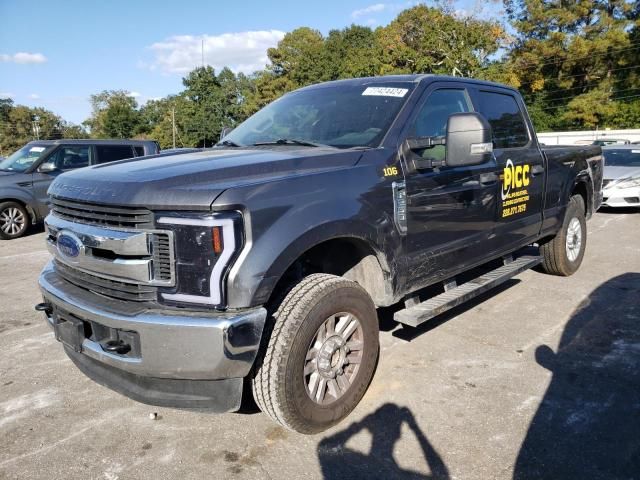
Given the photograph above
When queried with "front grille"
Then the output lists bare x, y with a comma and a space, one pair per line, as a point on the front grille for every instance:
161, 252
93, 214
105, 287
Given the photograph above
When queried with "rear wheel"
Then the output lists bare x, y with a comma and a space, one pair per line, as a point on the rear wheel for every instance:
321, 355
562, 255
14, 220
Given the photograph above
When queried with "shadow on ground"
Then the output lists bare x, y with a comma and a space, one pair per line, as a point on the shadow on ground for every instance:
337, 460
588, 424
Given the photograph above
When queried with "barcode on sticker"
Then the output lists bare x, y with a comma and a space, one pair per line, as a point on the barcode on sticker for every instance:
385, 91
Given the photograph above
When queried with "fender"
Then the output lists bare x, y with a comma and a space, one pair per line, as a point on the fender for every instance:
283, 220
9, 193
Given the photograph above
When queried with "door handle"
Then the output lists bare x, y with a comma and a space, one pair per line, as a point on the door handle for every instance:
537, 170
488, 178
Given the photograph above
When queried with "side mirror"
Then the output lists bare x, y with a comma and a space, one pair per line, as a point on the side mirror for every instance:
47, 167
225, 131
469, 140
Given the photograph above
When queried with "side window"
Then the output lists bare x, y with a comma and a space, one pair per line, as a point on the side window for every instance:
434, 114
71, 157
504, 115
139, 151
111, 153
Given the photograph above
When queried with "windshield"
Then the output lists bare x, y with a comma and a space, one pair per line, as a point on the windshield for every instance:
23, 159
622, 158
341, 115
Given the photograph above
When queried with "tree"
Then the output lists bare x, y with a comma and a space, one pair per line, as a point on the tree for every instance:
432, 40
577, 56
114, 115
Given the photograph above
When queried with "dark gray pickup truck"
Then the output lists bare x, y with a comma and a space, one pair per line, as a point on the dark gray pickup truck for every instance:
256, 267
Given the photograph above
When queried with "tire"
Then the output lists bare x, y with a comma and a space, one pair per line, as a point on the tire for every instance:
293, 385
562, 255
14, 220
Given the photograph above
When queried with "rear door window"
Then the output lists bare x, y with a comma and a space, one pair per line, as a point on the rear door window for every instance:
111, 153
504, 115
139, 151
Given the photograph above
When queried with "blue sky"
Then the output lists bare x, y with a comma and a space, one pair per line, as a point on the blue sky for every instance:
55, 54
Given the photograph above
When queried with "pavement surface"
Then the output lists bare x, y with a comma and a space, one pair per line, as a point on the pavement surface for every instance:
540, 379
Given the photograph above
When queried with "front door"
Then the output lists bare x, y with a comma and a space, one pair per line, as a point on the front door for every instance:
451, 211
64, 159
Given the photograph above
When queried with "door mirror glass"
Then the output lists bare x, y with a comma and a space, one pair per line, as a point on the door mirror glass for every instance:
48, 167
468, 140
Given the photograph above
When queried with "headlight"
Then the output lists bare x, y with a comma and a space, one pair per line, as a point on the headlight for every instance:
205, 247
628, 183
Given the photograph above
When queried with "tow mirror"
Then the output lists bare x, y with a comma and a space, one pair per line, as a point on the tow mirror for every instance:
225, 131
469, 140
48, 167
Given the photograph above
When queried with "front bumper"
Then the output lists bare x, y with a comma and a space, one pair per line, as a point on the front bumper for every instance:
177, 354
621, 197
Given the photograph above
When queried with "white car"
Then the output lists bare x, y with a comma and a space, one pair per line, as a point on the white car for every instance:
621, 184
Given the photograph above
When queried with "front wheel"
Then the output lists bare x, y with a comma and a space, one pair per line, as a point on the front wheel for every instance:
320, 356
14, 220
562, 255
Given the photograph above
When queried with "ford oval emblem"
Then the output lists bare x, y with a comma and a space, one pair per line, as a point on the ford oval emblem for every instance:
69, 245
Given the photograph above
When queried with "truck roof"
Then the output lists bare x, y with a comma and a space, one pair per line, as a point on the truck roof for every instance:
409, 78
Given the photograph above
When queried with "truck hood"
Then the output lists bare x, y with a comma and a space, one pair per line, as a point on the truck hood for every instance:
193, 180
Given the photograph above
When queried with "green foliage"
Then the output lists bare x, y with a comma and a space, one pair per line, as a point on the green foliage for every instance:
114, 115
20, 124
576, 63
580, 57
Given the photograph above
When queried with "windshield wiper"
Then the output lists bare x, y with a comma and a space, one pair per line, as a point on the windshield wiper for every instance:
227, 143
291, 141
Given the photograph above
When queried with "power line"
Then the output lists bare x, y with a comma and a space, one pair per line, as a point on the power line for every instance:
567, 57
586, 74
612, 99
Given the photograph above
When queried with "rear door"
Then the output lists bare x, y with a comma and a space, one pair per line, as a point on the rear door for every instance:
451, 211
521, 166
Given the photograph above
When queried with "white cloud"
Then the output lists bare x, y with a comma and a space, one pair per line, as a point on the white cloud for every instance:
241, 52
378, 7
23, 57
34, 96
134, 94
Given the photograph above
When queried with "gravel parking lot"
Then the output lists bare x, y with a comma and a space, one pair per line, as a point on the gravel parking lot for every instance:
541, 380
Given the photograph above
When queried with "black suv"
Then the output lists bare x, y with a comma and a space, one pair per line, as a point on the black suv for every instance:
26, 175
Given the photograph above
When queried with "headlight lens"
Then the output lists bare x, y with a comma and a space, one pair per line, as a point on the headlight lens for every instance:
205, 247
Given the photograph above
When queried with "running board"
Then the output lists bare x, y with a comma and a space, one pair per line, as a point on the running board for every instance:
456, 295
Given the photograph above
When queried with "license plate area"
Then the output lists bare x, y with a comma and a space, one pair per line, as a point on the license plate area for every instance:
69, 331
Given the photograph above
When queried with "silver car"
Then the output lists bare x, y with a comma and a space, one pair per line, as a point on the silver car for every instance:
621, 184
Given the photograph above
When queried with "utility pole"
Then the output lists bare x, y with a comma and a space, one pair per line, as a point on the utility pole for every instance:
36, 127
173, 125
203, 53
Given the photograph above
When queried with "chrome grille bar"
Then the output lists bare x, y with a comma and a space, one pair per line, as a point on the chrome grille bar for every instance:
142, 257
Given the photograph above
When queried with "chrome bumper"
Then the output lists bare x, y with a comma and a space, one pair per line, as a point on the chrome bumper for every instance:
174, 344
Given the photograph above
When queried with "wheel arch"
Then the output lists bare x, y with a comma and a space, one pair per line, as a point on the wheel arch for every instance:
344, 249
